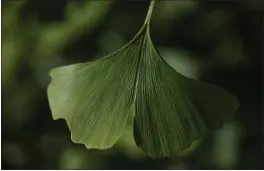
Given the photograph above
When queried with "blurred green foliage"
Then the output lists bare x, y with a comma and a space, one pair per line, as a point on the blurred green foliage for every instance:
214, 41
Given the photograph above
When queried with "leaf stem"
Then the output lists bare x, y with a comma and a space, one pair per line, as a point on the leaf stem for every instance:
144, 29
151, 7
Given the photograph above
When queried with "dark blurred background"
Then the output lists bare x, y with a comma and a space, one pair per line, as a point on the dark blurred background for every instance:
216, 41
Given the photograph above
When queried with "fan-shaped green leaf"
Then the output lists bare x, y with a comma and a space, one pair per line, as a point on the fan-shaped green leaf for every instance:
171, 111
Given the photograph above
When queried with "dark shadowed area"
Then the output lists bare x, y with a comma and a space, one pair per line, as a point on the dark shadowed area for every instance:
219, 42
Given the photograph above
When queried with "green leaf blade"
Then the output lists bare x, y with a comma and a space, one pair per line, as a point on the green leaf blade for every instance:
170, 110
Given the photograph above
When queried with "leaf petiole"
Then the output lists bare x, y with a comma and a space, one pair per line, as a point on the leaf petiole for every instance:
151, 7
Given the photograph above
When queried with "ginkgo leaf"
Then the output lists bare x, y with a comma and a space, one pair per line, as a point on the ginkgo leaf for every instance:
170, 110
